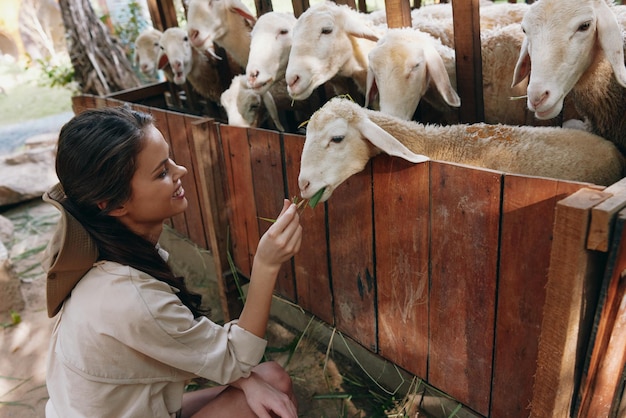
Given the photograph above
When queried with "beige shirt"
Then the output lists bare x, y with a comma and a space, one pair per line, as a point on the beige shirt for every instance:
123, 346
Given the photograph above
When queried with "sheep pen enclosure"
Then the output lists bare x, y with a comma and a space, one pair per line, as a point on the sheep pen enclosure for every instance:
503, 291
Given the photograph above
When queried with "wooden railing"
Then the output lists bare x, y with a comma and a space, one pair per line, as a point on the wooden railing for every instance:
451, 272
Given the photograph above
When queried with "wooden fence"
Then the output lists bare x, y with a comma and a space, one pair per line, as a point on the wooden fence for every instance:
451, 272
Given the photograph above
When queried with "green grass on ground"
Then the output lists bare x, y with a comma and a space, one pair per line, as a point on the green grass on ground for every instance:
23, 97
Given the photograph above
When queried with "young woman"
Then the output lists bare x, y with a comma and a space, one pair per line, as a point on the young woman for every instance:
129, 333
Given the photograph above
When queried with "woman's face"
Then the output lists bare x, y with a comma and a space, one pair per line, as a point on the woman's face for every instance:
157, 192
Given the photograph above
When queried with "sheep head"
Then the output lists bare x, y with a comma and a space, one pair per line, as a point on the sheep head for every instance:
563, 38
340, 140
176, 51
401, 67
208, 21
147, 50
324, 41
269, 50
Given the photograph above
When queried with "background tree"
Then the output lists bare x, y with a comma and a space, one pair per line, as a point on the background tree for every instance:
100, 64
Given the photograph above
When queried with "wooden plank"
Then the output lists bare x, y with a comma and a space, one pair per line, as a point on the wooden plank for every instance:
465, 217
210, 179
352, 260
311, 263
244, 234
141, 93
269, 192
603, 216
525, 244
299, 6
81, 103
178, 222
180, 133
468, 60
401, 215
569, 299
163, 14
398, 13
601, 377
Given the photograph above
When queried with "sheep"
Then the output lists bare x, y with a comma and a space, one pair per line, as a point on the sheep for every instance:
270, 45
406, 63
247, 108
342, 136
329, 40
575, 46
228, 23
147, 50
188, 64
438, 20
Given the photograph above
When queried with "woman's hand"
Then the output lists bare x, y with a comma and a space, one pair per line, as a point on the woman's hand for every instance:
282, 240
263, 398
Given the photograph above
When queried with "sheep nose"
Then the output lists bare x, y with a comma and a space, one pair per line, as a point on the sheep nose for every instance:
293, 80
537, 99
303, 184
193, 34
252, 75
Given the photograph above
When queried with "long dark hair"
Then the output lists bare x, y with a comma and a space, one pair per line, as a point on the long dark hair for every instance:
96, 160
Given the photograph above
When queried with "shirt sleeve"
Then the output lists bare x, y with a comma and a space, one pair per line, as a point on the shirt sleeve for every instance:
158, 325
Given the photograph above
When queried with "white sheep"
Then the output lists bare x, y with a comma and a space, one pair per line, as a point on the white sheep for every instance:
147, 51
408, 64
342, 136
438, 20
576, 46
226, 23
270, 45
188, 64
329, 40
247, 108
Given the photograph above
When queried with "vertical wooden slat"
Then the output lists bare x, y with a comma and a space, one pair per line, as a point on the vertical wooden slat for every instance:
398, 13
244, 229
603, 217
465, 216
573, 269
311, 263
180, 133
401, 214
299, 6
468, 60
601, 378
269, 192
351, 257
526, 239
163, 14
211, 183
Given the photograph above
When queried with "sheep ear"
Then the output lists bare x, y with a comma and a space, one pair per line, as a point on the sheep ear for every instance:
241, 9
439, 74
357, 28
163, 61
611, 41
270, 105
381, 139
371, 89
522, 67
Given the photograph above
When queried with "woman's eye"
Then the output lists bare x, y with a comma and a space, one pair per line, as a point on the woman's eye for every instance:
164, 173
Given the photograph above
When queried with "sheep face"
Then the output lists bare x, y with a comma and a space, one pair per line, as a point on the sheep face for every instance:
401, 67
269, 50
175, 49
562, 40
239, 103
147, 50
333, 151
323, 44
208, 21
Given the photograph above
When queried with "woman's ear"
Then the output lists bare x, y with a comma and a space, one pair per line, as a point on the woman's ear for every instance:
120, 211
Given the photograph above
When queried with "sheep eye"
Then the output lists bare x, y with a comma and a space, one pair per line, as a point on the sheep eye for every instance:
156, 44
327, 31
337, 139
584, 27
186, 38
284, 32
161, 46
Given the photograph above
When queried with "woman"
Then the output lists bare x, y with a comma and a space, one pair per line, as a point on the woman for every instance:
129, 333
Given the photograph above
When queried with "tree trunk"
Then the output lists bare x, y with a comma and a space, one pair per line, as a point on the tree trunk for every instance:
100, 65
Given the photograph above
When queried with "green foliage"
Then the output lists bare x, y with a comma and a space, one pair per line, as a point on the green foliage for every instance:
56, 74
134, 23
